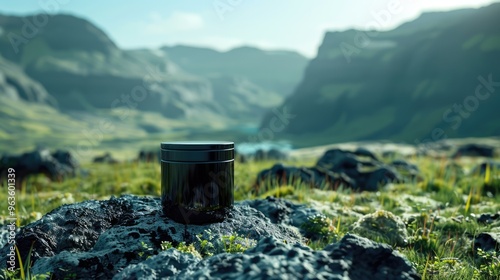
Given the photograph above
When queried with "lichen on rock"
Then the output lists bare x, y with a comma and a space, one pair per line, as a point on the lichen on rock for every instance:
382, 226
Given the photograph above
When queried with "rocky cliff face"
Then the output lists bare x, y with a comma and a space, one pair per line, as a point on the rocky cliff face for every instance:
416, 82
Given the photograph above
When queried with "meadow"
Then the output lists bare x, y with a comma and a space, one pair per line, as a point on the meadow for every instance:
440, 211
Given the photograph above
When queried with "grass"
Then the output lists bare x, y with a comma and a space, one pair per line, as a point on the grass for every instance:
439, 211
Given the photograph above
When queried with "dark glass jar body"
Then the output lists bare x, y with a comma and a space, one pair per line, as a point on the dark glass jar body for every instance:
197, 181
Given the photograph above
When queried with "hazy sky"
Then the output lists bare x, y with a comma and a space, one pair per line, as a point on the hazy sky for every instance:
222, 24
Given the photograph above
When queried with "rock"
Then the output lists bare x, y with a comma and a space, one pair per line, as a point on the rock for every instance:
353, 257
382, 225
281, 211
324, 177
106, 158
372, 181
348, 163
365, 153
405, 165
121, 238
488, 218
55, 166
336, 159
337, 167
106, 235
488, 241
66, 158
165, 265
314, 177
474, 150
283, 175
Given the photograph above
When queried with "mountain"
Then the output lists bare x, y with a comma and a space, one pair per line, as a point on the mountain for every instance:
87, 71
277, 71
412, 83
16, 85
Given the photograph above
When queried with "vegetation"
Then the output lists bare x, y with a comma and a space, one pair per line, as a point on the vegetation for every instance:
440, 212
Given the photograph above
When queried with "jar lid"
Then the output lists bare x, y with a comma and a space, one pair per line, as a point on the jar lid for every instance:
199, 151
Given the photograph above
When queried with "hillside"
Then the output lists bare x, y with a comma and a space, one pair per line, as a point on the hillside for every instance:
85, 76
402, 85
87, 71
278, 71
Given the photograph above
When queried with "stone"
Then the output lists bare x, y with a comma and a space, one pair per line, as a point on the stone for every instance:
56, 166
360, 151
359, 170
283, 175
66, 158
281, 211
488, 218
474, 150
353, 257
105, 158
382, 226
121, 238
488, 241
405, 165
107, 235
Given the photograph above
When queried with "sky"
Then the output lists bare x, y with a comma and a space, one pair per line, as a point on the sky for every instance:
297, 25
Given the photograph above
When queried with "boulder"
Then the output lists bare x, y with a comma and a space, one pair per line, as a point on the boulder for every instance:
55, 166
106, 158
108, 235
363, 152
383, 226
353, 257
281, 211
283, 175
488, 218
474, 150
121, 238
65, 158
405, 165
488, 241
358, 170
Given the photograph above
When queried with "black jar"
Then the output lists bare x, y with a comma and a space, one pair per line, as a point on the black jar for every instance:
197, 181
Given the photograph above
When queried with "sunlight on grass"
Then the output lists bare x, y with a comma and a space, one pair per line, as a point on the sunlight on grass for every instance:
438, 210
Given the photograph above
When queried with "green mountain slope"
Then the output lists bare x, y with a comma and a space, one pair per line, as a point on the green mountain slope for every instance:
402, 84
83, 70
277, 71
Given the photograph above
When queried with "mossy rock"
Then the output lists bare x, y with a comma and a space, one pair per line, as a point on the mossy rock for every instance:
382, 226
